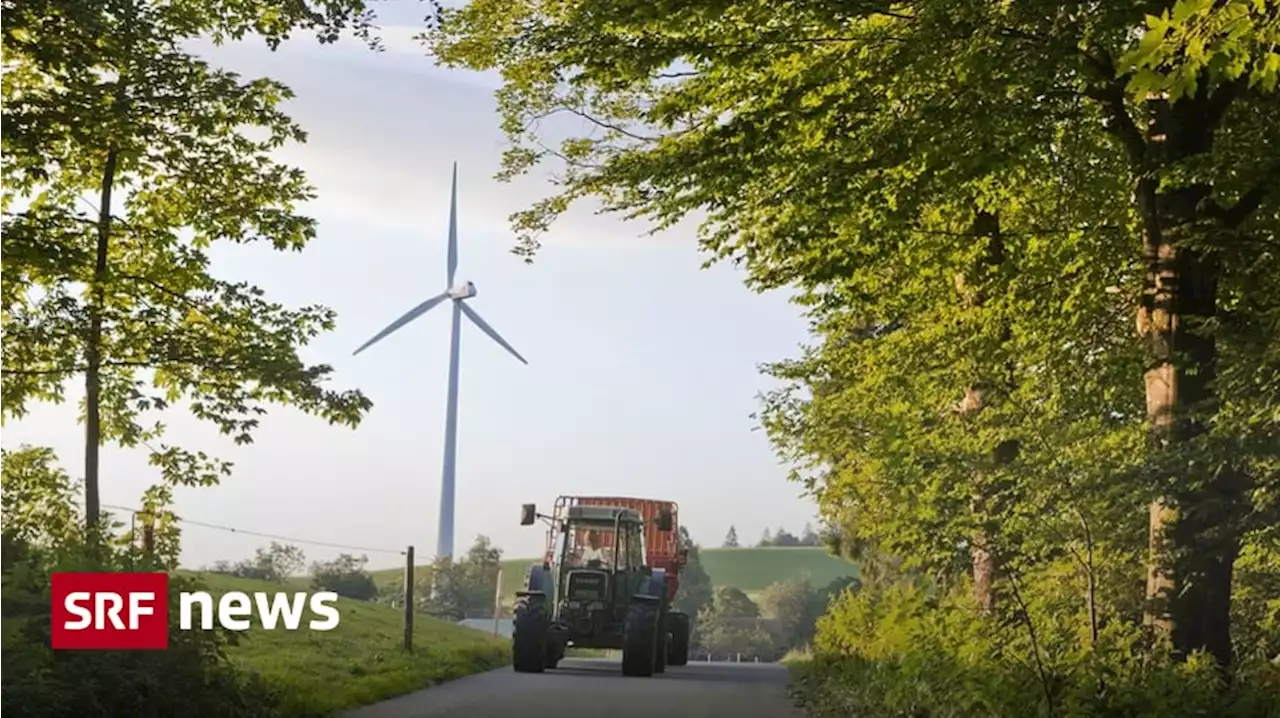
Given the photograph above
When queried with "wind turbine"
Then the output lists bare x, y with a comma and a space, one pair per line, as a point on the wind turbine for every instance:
459, 293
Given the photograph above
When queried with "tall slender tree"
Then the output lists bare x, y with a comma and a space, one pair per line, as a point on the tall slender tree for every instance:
125, 158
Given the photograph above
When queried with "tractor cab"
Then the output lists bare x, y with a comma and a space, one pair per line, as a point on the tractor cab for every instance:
599, 564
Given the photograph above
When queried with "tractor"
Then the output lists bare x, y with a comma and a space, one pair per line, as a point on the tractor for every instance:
607, 579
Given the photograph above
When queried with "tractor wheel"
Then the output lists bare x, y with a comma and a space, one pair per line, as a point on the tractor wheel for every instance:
662, 642
639, 639
680, 628
529, 636
555, 652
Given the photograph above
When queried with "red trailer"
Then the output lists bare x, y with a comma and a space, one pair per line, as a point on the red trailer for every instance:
662, 548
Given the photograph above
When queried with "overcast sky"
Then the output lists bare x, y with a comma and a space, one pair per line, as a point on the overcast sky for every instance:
643, 367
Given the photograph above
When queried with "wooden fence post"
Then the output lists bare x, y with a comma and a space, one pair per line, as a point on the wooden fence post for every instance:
497, 601
133, 540
408, 599
148, 537
149, 541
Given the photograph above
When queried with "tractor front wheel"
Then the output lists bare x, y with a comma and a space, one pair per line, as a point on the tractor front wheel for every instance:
681, 628
529, 635
640, 639
662, 642
555, 651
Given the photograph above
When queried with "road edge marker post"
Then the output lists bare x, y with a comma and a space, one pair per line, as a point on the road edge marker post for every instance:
408, 599
497, 601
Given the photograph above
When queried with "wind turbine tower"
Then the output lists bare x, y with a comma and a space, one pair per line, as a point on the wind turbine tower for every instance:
458, 293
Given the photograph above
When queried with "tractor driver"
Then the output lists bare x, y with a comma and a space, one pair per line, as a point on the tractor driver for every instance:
596, 554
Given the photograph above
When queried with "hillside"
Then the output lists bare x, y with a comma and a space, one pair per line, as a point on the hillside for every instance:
750, 569
754, 569
361, 661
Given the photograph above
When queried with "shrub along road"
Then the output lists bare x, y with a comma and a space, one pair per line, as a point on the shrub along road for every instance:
590, 688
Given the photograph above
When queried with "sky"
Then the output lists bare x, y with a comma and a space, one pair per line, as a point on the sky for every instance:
642, 370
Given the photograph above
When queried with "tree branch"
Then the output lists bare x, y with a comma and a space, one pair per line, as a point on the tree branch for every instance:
1217, 104
1118, 122
1025, 615
133, 363
1110, 95
1235, 215
176, 295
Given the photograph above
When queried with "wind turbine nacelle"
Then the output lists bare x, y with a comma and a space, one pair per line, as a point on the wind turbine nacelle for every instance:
466, 290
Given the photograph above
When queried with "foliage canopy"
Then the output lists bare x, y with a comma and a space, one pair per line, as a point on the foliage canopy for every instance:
976, 201
125, 159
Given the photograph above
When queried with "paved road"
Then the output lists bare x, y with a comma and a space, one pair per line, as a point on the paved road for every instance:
698, 689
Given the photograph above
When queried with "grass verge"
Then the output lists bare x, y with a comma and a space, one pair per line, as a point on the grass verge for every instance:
362, 660
799, 662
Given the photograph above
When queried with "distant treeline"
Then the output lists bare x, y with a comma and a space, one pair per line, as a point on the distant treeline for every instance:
781, 537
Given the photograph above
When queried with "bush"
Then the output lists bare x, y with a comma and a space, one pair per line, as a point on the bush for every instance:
193, 678
43, 533
344, 576
906, 652
276, 562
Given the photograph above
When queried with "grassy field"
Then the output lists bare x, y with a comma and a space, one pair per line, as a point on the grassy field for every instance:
755, 569
750, 569
361, 661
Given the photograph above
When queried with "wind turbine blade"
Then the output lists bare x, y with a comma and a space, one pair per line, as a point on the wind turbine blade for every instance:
408, 317
453, 226
484, 327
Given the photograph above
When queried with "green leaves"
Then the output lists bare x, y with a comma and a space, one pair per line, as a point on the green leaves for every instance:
1202, 41
846, 150
38, 501
103, 101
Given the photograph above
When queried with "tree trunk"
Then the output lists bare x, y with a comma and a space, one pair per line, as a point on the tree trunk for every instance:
1193, 532
93, 349
98, 293
982, 556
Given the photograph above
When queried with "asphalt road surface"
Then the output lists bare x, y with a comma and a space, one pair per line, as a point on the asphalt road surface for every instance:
595, 688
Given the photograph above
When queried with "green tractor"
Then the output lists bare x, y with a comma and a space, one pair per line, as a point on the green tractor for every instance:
595, 588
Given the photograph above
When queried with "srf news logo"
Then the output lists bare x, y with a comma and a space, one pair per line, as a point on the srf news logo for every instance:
130, 611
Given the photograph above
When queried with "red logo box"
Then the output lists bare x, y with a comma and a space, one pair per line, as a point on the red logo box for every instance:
110, 611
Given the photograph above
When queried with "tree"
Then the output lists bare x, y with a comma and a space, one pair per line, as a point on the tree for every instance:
695, 591
222, 566
797, 605
809, 537
785, 538
766, 539
463, 589
276, 562
1121, 151
730, 638
839, 585
445, 591
345, 576
731, 538
104, 109
731, 624
732, 602
484, 556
